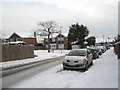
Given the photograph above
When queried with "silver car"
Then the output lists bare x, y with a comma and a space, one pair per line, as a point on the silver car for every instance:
78, 59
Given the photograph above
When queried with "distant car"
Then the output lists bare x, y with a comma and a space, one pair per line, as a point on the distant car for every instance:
107, 47
103, 49
99, 50
95, 52
78, 59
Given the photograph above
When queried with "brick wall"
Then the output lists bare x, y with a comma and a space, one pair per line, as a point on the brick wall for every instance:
29, 40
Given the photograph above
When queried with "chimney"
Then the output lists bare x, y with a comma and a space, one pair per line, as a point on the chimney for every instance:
34, 34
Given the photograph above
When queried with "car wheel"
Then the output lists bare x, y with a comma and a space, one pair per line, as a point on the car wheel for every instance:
64, 68
98, 56
86, 66
91, 63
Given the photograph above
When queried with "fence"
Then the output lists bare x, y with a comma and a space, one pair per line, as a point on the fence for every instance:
117, 49
0, 50
17, 52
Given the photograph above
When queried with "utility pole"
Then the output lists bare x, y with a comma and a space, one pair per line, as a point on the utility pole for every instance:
103, 39
60, 39
108, 40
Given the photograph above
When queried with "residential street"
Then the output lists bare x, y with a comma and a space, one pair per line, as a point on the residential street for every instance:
103, 74
59, 44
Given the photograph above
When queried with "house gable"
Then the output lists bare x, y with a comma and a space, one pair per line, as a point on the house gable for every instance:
60, 35
15, 37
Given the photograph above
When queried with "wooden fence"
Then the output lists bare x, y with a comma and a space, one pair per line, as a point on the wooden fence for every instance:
0, 50
17, 52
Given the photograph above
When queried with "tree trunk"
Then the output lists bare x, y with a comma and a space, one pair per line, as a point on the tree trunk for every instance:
48, 40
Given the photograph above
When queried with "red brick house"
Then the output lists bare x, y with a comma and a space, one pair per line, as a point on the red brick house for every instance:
57, 42
27, 39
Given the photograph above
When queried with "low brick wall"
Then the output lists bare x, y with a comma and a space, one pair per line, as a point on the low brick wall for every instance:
17, 52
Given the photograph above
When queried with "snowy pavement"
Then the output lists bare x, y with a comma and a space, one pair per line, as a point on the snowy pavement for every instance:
103, 74
41, 55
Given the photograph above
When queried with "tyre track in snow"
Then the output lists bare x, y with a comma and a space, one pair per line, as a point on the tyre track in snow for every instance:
23, 74
14, 69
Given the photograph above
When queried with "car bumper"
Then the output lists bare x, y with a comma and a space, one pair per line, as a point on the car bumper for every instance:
73, 66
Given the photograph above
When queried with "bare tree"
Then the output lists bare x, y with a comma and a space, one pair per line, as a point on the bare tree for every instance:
46, 29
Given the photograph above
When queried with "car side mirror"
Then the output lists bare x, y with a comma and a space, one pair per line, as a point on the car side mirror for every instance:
87, 55
66, 54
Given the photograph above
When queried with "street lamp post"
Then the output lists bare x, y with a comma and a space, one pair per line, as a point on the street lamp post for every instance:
103, 38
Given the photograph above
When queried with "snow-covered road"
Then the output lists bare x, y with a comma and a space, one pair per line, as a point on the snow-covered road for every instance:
103, 74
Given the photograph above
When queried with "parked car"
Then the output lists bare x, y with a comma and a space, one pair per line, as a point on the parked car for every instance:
107, 47
99, 50
78, 59
95, 52
103, 48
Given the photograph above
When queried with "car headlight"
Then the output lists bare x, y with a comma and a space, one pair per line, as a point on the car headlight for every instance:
85, 59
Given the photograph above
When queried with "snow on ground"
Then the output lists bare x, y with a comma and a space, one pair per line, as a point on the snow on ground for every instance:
41, 55
103, 74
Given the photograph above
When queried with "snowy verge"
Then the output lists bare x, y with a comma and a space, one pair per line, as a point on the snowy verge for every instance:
41, 55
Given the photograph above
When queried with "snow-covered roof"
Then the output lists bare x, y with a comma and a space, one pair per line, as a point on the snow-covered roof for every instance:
5, 37
21, 34
98, 40
65, 34
24, 34
56, 34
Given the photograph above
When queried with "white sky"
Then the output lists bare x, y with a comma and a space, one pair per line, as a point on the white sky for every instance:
100, 16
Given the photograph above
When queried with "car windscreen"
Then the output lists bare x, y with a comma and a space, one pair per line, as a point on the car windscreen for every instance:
91, 50
77, 53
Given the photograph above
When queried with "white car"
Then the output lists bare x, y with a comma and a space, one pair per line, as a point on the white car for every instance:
78, 59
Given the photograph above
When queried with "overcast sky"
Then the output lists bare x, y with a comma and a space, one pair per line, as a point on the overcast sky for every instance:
100, 16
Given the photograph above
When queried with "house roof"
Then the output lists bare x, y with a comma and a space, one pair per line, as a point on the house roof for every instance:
98, 40
22, 35
56, 34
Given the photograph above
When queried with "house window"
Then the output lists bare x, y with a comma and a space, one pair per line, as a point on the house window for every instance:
46, 46
60, 38
17, 39
53, 46
53, 39
60, 46
11, 40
